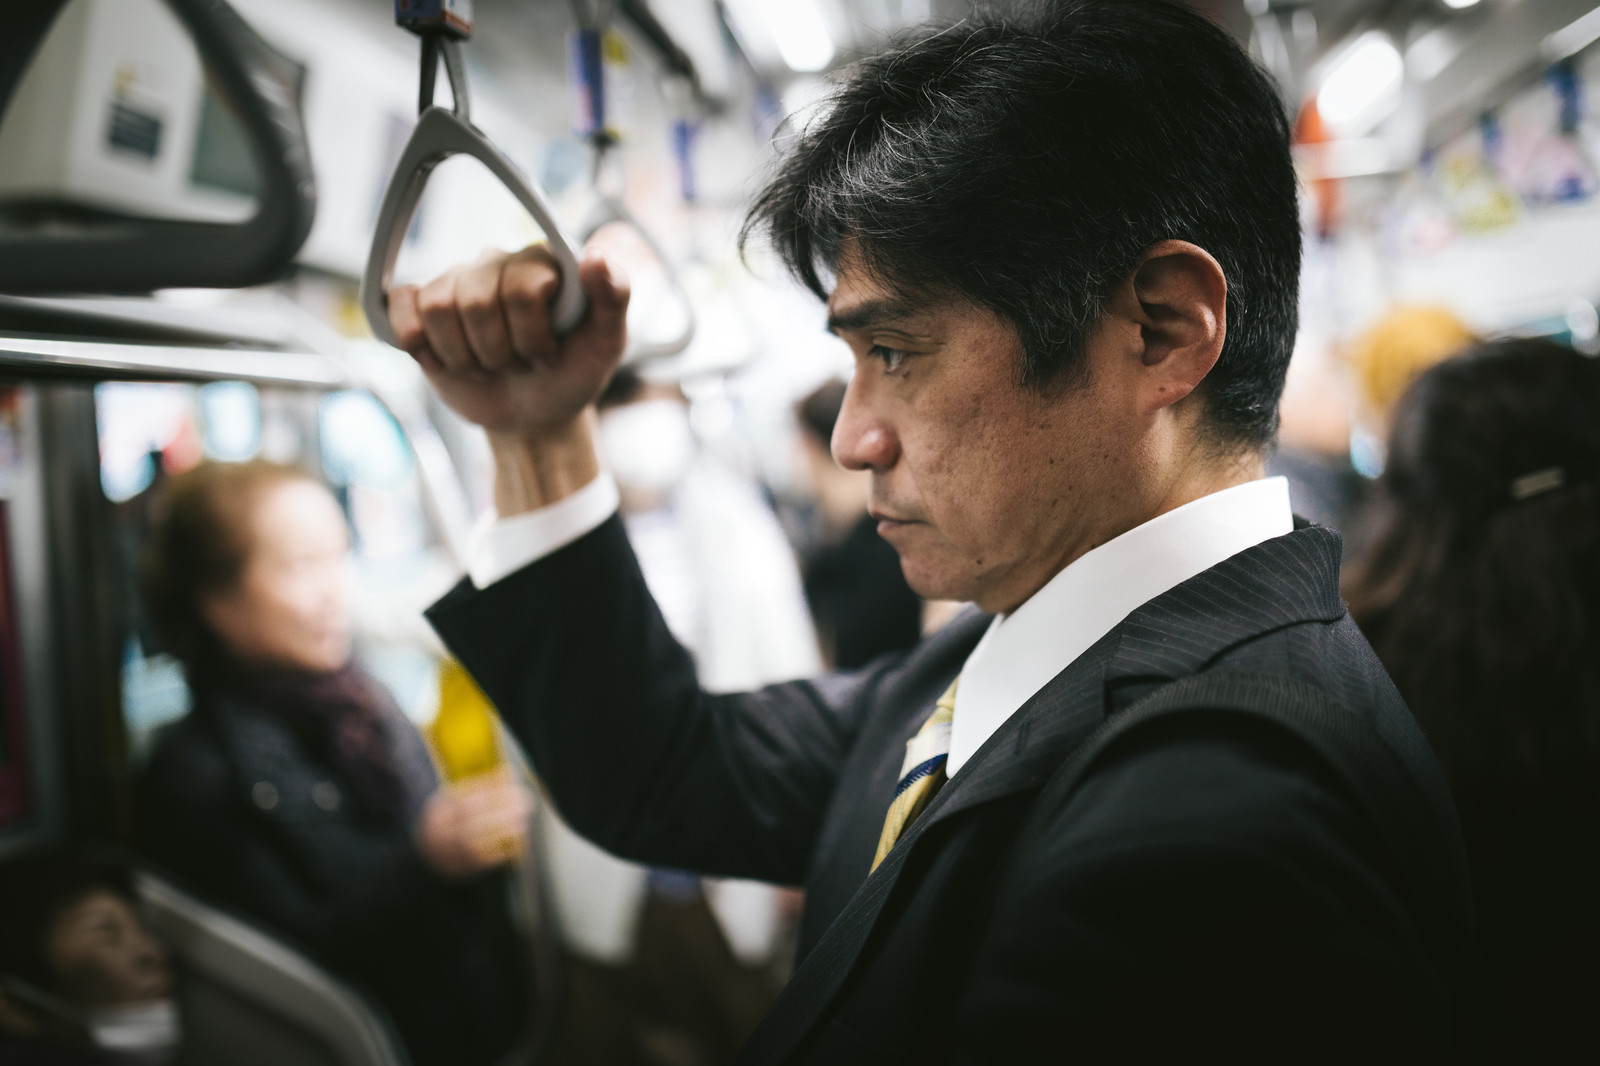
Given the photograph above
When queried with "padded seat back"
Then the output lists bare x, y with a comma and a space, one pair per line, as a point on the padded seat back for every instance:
248, 1000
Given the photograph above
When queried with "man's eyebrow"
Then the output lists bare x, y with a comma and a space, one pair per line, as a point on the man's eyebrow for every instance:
869, 313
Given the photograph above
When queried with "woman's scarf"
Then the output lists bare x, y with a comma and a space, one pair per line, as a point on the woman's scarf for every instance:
339, 718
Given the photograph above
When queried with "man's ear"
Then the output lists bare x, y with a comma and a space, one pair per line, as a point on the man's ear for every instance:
1179, 300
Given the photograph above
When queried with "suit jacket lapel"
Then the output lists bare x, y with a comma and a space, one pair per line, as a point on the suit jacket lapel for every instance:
1285, 581
1064, 711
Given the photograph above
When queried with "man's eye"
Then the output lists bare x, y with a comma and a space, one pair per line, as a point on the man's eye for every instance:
893, 358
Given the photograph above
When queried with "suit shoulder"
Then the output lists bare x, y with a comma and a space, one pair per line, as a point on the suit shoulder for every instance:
1335, 657
1218, 877
1232, 789
1332, 655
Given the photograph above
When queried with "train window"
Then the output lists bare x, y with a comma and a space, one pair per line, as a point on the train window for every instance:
151, 431
361, 442
230, 420
145, 430
398, 563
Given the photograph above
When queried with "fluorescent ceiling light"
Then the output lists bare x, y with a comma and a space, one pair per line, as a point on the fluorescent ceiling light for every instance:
1573, 38
801, 35
1362, 85
1459, 4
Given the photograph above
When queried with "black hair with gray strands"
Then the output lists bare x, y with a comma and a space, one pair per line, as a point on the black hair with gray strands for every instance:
1026, 159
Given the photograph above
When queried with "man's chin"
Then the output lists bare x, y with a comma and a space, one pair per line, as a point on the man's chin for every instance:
930, 567
930, 582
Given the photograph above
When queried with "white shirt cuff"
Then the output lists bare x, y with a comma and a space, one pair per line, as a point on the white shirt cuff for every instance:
500, 547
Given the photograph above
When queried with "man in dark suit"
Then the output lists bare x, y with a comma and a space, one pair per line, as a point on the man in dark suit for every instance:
1064, 248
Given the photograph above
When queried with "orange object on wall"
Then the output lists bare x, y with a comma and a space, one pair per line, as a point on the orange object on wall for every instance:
1327, 193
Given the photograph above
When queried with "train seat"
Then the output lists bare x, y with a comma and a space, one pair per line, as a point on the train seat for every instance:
248, 1000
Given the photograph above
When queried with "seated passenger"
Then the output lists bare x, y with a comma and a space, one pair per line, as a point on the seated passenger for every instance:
297, 793
1481, 593
81, 979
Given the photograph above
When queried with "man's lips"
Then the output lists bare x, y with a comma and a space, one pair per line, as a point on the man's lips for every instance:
888, 521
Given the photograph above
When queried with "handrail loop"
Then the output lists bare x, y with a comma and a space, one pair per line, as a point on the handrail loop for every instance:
440, 134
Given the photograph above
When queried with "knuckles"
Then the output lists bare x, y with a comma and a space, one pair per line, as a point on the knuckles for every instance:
436, 300
527, 293
519, 286
478, 302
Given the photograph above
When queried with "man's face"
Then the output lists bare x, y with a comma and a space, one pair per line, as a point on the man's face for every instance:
984, 488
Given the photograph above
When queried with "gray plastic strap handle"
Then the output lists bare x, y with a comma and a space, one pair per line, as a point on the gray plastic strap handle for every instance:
610, 210
439, 135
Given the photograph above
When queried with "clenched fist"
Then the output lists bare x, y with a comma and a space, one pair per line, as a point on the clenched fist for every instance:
482, 335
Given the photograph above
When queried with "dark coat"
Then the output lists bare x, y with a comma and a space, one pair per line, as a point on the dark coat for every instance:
1211, 889
234, 808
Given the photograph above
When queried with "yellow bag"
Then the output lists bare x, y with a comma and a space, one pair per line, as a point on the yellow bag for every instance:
465, 735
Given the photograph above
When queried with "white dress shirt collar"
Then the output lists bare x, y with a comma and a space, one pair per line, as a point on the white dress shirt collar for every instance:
1024, 650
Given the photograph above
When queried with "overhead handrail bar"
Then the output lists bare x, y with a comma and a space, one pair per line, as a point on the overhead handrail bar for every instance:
38, 358
440, 134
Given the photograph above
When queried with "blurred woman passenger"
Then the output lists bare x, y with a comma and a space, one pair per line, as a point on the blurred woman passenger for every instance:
1481, 593
297, 793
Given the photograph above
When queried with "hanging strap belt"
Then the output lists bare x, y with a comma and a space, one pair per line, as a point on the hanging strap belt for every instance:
440, 134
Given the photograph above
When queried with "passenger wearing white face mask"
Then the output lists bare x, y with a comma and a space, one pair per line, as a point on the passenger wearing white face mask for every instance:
655, 954
81, 980
647, 443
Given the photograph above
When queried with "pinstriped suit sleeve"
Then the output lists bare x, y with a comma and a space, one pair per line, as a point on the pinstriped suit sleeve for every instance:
576, 656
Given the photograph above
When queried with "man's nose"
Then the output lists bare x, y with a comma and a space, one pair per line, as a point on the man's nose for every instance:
862, 439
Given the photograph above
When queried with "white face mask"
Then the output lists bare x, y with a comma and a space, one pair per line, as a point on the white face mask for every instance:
149, 1032
648, 447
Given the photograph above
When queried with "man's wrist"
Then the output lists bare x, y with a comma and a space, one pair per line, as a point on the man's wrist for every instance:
534, 470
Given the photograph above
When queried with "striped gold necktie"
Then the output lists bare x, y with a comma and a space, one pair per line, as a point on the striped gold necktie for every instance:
921, 773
